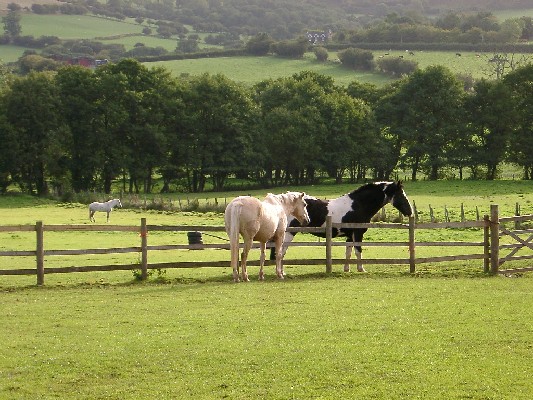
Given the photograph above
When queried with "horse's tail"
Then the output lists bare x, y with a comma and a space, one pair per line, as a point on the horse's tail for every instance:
232, 228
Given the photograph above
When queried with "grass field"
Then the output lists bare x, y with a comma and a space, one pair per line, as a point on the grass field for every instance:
446, 332
312, 337
438, 195
253, 69
75, 26
242, 69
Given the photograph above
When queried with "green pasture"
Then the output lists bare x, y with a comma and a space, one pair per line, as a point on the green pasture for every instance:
251, 70
254, 69
313, 337
242, 69
476, 198
448, 331
170, 44
75, 26
129, 42
502, 15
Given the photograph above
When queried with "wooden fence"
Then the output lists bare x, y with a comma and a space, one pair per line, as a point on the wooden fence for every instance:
492, 228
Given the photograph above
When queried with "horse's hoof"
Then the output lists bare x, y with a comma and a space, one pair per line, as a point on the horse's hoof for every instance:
361, 269
347, 269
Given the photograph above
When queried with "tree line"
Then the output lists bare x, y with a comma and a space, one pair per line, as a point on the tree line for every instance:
82, 130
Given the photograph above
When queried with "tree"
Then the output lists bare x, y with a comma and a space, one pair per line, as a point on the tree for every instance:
520, 83
321, 53
297, 114
259, 45
11, 22
396, 66
79, 98
9, 149
218, 130
290, 48
347, 141
491, 116
357, 59
187, 46
425, 114
33, 110
142, 107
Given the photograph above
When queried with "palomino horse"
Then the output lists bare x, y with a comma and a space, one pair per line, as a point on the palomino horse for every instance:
359, 205
262, 221
107, 207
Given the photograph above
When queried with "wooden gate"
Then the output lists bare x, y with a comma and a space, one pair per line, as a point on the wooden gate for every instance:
515, 241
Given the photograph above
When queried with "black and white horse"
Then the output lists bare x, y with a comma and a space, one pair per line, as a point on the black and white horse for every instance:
359, 205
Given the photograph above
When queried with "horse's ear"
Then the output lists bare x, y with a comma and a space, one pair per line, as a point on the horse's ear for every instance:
400, 183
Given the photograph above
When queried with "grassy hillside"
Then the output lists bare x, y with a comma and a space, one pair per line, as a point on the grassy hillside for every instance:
75, 26
254, 69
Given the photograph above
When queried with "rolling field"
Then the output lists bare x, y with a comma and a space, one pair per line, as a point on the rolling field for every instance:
76, 26
242, 69
251, 70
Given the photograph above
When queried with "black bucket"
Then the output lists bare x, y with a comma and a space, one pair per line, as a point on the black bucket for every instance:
195, 238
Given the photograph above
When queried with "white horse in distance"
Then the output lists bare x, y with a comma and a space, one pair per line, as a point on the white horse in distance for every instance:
107, 207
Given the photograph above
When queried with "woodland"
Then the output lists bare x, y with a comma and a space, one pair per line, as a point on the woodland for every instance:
81, 130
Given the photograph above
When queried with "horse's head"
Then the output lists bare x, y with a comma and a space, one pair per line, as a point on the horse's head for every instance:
299, 207
397, 197
119, 204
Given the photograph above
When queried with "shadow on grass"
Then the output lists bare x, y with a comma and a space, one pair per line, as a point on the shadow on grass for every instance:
190, 280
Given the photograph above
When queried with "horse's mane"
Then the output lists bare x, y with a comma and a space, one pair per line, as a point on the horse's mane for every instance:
365, 187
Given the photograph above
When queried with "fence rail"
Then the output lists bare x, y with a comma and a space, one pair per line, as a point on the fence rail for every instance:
492, 227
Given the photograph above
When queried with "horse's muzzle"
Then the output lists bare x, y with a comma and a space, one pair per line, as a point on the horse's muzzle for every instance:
305, 222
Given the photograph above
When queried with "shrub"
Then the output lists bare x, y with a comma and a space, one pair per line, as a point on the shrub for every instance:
357, 59
259, 45
321, 53
396, 66
290, 48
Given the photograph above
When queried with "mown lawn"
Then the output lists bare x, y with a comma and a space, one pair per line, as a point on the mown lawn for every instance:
342, 336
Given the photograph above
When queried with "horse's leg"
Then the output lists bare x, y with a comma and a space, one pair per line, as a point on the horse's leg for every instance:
279, 257
235, 261
286, 240
262, 261
244, 257
349, 248
358, 237
108, 216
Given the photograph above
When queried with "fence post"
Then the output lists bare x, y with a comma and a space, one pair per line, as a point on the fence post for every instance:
39, 252
329, 239
517, 213
412, 263
486, 241
144, 250
494, 239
